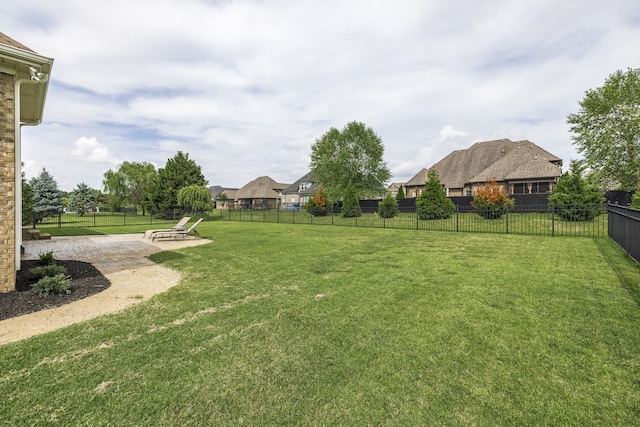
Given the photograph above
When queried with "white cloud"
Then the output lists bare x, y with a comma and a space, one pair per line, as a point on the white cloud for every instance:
90, 150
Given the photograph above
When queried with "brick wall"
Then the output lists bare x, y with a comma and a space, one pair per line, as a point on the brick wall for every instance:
7, 184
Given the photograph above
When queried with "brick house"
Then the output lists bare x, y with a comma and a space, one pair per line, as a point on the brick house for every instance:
520, 167
24, 77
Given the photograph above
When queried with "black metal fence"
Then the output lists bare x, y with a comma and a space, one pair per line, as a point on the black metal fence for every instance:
551, 220
114, 219
624, 229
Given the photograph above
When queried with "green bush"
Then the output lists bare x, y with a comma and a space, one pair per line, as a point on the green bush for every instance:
576, 198
48, 270
635, 200
433, 202
388, 207
58, 284
318, 204
351, 204
46, 258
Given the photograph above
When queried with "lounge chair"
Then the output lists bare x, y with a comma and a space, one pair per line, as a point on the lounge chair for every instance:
178, 227
176, 234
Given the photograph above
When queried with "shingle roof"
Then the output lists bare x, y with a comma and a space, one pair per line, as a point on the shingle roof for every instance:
261, 188
293, 188
8, 41
501, 159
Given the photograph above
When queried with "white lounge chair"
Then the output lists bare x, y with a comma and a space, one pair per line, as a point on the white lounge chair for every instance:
180, 226
177, 234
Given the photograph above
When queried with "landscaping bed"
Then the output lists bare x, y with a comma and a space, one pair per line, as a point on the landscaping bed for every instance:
86, 280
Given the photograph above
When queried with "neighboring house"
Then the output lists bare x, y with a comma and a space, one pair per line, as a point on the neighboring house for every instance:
261, 193
520, 167
298, 193
216, 191
394, 187
24, 77
231, 197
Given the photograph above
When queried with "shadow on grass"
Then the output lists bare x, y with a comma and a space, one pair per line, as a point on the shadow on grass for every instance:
161, 257
626, 269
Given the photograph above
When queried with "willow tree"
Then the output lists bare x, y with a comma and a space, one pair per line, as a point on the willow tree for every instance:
195, 198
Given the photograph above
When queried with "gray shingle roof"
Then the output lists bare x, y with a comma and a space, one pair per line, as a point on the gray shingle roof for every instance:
501, 159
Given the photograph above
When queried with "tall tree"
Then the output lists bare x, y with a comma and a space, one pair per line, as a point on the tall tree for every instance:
350, 159
47, 200
606, 129
82, 199
27, 201
178, 172
129, 183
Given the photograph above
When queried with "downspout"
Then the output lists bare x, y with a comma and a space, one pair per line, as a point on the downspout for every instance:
36, 78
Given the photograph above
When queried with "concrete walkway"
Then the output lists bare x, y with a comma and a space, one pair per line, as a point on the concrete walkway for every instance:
120, 257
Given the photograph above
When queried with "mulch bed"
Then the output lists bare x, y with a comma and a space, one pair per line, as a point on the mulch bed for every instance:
86, 280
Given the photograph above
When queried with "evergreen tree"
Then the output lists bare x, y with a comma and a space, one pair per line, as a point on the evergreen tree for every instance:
576, 198
82, 199
400, 194
433, 202
47, 201
27, 202
350, 203
388, 207
635, 200
179, 172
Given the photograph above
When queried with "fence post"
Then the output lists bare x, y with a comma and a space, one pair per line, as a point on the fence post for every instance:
417, 219
94, 218
553, 219
60, 220
457, 218
507, 220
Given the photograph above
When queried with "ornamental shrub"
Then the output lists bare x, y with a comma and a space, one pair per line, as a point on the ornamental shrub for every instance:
48, 270
58, 284
46, 258
388, 207
433, 202
491, 201
350, 204
576, 198
318, 204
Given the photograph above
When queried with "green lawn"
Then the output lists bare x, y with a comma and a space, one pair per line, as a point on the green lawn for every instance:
302, 325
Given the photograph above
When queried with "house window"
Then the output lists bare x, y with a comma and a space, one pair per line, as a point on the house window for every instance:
531, 187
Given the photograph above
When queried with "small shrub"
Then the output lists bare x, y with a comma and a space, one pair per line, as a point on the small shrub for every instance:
46, 258
388, 207
317, 204
58, 284
491, 201
433, 202
48, 270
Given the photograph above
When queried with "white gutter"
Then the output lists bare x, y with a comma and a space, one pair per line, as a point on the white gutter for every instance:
36, 78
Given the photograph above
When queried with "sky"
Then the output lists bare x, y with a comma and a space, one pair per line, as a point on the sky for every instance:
247, 87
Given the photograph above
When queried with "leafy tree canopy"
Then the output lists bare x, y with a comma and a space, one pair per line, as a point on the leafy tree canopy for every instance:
195, 198
606, 129
128, 184
350, 160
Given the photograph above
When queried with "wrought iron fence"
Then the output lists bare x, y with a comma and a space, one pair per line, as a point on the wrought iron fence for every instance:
113, 219
624, 229
552, 220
